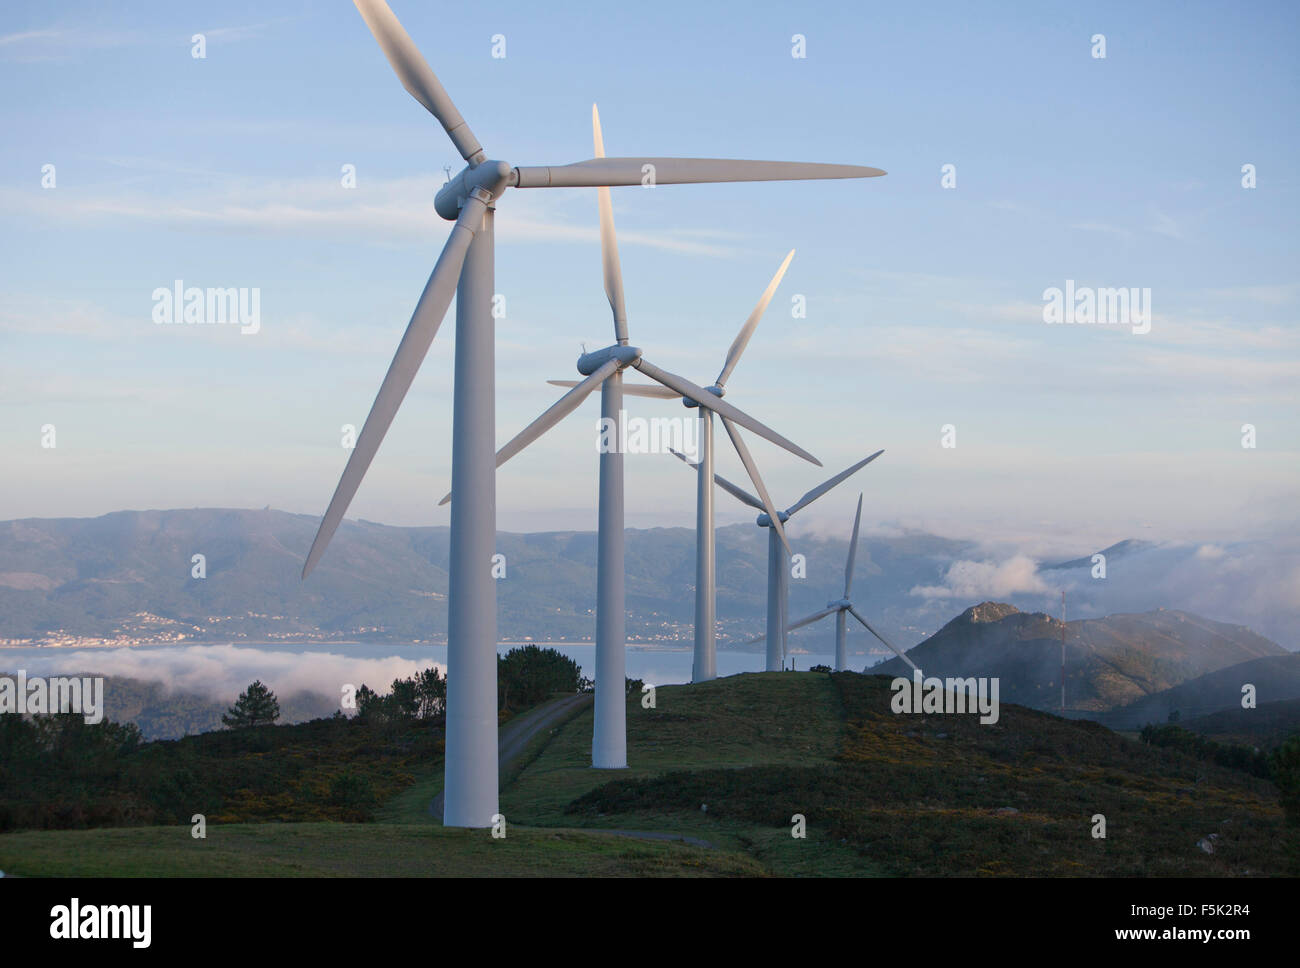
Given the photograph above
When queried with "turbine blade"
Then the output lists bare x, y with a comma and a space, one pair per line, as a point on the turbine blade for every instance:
839, 478
742, 338
552, 415
752, 469
630, 390
867, 625
704, 398
679, 171
809, 619
417, 76
738, 493
609, 242
419, 334
853, 551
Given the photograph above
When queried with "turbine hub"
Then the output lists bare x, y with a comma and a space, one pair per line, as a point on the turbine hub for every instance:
491, 176
716, 390
589, 363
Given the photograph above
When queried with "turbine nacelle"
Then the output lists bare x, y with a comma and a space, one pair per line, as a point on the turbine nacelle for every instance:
492, 177
838, 604
765, 519
589, 363
716, 390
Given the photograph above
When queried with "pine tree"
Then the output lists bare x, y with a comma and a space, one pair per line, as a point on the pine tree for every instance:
256, 706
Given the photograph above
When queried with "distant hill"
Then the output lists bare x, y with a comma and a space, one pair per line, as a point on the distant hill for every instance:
128, 575
1121, 548
1109, 662
1264, 727
1276, 678
125, 577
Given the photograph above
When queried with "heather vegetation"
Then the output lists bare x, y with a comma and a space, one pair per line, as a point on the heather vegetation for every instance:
942, 795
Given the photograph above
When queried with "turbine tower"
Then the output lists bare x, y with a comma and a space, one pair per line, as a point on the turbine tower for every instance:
778, 553
465, 269
843, 607
705, 665
604, 368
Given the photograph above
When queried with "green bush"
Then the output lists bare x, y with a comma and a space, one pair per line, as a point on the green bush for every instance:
529, 675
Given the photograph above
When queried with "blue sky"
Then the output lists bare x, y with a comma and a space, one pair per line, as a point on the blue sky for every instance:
924, 303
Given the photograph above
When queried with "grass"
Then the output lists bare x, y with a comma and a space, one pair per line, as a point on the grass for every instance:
733, 722
361, 850
764, 719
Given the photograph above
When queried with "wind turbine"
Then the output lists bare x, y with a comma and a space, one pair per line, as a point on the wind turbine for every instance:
604, 369
705, 664
465, 269
778, 552
843, 607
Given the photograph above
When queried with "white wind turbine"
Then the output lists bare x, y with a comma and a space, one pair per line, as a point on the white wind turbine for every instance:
778, 553
705, 666
604, 369
465, 269
841, 608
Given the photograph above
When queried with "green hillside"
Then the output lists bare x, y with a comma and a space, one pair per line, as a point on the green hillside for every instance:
909, 795
1276, 678
730, 764
1263, 727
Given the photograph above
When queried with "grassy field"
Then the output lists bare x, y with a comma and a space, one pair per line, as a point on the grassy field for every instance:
365, 850
747, 721
730, 763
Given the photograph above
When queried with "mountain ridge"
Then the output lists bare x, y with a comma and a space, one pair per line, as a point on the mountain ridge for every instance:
1109, 662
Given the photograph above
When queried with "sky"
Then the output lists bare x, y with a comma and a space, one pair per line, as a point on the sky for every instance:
924, 303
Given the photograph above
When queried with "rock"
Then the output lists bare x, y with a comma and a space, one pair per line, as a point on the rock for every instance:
1207, 843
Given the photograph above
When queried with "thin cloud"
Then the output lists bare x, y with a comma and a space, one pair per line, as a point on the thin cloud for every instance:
379, 210
62, 43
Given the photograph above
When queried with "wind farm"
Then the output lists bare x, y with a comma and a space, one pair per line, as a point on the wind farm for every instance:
408, 461
778, 553
465, 270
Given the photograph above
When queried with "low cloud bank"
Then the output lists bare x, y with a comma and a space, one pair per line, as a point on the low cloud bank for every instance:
1255, 584
221, 672
986, 579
